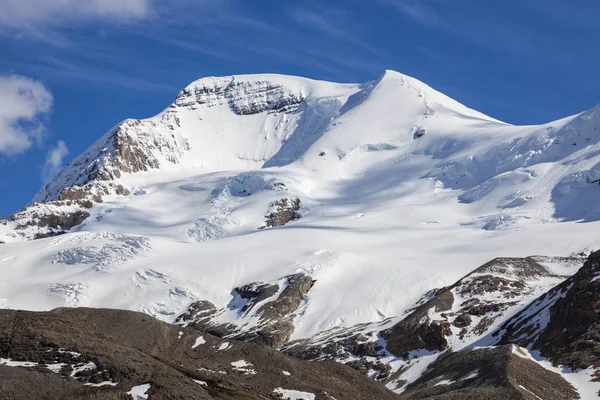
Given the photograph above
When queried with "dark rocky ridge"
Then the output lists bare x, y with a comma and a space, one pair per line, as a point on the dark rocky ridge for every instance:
50, 219
468, 309
275, 310
506, 278
489, 373
564, 323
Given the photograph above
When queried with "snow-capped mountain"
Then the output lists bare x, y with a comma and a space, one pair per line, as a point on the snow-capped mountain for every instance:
370, 195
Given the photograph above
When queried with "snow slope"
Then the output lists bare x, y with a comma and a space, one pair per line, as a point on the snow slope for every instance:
402, 190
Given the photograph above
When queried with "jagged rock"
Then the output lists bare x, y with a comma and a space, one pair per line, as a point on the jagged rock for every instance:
381, 370
297, 286
278, 186
48, 219
490, 283
200, 315
420, 133
365, 349
285, 211
491, 373
60, 221
255, 293
131, 147
197, 312
275, 317
79, 193
244, 98
417, 331
462, 321
564, 323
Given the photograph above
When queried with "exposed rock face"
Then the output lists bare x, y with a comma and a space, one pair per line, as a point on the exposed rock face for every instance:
88, 195
564, 323
459, 314
266, 311
133, 146
56, 221
65, 352
345, 344
473, 304
243, 98
48, 219
417, 331
284, 211
277, 316
502, 372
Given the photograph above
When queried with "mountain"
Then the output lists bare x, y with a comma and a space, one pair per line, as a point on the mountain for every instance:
352, 222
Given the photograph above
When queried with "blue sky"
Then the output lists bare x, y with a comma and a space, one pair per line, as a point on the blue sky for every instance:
71, 69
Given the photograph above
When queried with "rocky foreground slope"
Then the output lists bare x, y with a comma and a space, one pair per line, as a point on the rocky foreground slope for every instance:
105, 354
110, 354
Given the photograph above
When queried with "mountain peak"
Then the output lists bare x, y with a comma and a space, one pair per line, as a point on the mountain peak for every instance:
260, 121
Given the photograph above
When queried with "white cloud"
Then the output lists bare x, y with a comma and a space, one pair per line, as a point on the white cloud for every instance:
32, 14
54, 161
23, 103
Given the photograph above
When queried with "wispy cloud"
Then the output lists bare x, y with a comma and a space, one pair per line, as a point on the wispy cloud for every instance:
319, 22
418, 10
23, 106
340, 29
74, 72
54, 161
32, 14
475, 24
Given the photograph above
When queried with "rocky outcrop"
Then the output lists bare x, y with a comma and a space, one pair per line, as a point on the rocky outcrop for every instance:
104, 354
498, 373
276, 317
265, 311
359, 347
41, 220
418, 331
283, 212
133, 146
564, 323
458, 315
474, 304
243, 97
